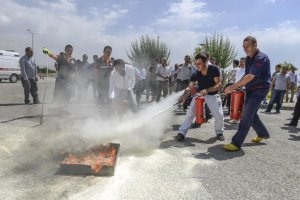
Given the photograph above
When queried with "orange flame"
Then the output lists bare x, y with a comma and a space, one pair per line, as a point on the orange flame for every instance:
97, 158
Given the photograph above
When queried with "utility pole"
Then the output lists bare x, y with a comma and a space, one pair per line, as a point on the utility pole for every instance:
32, 37
158, 49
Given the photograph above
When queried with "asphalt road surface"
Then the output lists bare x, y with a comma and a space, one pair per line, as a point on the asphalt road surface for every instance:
151, 164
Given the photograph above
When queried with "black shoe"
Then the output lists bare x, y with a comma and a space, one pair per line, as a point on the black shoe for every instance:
221, 137
195, 125
277, 111
36, 101
291, 124
179, 137
27, 102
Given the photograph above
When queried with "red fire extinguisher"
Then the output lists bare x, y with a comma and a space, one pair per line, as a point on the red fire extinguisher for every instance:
236, 104
200, 109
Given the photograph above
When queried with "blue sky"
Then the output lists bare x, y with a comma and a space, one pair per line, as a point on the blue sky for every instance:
181, 24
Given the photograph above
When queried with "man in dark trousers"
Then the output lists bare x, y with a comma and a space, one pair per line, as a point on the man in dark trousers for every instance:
296, 113
104, 68
28, 76
257, 82
66, 67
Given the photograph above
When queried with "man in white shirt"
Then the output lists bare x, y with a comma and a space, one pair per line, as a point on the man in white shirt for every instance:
293, 86
184, 74
240, 72
163, 74
121, 83
230, 81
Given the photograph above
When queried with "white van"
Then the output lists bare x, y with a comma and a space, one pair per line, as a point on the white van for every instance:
9, 66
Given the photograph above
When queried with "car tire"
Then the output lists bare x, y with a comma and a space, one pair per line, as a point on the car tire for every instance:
13, 78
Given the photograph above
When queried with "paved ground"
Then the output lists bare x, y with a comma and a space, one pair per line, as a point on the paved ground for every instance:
151, 164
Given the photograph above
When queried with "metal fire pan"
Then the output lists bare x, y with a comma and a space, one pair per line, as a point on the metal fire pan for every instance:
86, 170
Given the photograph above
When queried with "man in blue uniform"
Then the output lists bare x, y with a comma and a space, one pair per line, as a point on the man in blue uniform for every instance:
257, 81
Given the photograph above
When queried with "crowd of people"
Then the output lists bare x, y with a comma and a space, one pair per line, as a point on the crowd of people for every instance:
116, 82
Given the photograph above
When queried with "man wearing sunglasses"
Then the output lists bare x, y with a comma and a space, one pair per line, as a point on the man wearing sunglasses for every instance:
209, 83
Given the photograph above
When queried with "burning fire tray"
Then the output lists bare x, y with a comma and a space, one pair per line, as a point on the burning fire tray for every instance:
98, 161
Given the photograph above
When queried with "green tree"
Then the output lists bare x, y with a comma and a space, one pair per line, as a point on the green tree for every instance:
219, 48
289, 65
146, 50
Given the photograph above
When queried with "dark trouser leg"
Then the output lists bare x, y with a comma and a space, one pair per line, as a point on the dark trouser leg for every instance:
296, 112
259, 127
228, 102
159, 89
287, 96
33, 90
165, 88
55, 89
86, 88
280, 98
272, 100
153, 88
105, 94
147, 87
26, 86
68, 90
59, 90
224, 101
185, 84
179, 86
139, 89
249, 118
131, 103
292, 92
227, 98
100, 94
138, 97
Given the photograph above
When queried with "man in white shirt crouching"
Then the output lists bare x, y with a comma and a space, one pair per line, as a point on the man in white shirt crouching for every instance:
121, 85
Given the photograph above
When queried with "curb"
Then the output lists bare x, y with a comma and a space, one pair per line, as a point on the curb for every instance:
283, 107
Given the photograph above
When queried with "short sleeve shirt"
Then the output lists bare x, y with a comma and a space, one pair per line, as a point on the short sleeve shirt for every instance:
281, 81
164, 71
259, 66
206, 81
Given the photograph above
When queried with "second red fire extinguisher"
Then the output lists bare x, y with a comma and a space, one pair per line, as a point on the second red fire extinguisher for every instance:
236, 104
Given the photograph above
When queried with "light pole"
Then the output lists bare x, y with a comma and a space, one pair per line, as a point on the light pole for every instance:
32, 35
158, 53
